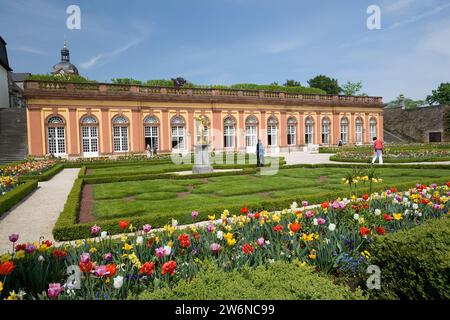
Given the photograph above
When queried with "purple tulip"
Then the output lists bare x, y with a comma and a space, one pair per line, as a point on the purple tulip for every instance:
434, 186
210, 227
342, 204
215, 247
305, 203
309, 214
321, 221
30, 248
160, 252
335, 204
108, 257
100, 271
436, 206
85, 257
54, 290
260, 241
250, 215
14, 237
95, 230
147, 228
194, 214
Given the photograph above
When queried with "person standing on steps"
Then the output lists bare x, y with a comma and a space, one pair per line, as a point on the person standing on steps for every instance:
378, 150
259, 154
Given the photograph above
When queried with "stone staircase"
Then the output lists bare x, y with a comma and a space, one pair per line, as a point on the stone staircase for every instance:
13, 135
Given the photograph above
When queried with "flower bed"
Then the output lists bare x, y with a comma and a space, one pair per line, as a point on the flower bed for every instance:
335, 237
390, 146
394, 156
7, 183
29, 168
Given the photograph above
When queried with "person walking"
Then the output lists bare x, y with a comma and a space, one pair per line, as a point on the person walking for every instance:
259, 154
378, 150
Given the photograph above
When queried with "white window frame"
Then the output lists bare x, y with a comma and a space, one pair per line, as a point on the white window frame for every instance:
120, 138
309, 131
359, 132
326, 131
344, 130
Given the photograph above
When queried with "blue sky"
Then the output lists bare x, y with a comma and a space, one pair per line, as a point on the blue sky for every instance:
236, 41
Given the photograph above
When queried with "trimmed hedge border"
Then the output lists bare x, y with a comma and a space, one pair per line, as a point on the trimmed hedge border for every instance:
11, 198
367, 165
46, 175
415, 263
390, 160
67, 228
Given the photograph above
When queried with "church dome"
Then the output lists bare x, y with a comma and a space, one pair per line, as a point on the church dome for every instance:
65, 67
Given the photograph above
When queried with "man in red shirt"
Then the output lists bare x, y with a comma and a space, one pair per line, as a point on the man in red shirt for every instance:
378, 150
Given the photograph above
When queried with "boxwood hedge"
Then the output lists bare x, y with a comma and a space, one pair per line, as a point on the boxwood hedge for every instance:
277, 281
14, 196
415, 263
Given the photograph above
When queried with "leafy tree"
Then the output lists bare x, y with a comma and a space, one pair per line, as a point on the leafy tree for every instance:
329, 85
126, 81
409, 103
353, 89
292, 83
441, 95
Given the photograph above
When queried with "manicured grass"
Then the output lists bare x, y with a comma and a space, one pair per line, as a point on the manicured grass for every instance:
170, 197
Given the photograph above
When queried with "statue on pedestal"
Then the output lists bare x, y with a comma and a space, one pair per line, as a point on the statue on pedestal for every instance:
202, 126
201, 155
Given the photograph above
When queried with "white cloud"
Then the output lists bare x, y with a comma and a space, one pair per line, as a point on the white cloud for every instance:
103, 58
281, 46
27, 49
421, 16
396, 6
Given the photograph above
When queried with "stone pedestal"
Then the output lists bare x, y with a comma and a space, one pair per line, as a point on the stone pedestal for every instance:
201, 158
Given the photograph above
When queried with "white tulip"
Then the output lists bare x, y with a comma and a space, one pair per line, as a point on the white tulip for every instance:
315, 222
331, 227
118, 282
356, 216
377, 212
415, 206
139, 240
167, 250
220, 235
174, 222
103, 234
294, 205
41, 258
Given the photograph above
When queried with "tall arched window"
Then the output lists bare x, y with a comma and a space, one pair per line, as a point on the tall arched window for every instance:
373, 128
178, 133
326, 130
251, 132
89, 136
56, 136
120, 133
151, 132
359, 130
344, 130
291, 131
309, 130
272, 131
229, 132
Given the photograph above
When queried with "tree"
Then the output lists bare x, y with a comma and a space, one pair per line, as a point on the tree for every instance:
292, 83
126, 81
353, 89
325, 83
409, 103
441, 95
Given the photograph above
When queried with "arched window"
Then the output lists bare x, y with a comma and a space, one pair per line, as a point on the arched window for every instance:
56, 136
229, 132
151, 132
309, 129
178, 132
120, 133
359, 130
251, 132
344, 130
326, 130
373, 128
89, 136
272, 131
292, 131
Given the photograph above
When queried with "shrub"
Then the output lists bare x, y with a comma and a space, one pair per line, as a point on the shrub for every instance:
278, 281
59, 78
46, 175
415, 263
16, 195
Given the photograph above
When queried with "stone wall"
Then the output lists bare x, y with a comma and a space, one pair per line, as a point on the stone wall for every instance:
418, 123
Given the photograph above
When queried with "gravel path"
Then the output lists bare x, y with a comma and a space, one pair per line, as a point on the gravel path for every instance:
36, 215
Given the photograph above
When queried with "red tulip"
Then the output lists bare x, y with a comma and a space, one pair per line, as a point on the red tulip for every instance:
363, 231
380, 231
6, 268
295, 226
123, 224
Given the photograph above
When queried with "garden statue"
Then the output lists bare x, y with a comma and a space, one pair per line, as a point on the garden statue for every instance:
202, 125
201, 155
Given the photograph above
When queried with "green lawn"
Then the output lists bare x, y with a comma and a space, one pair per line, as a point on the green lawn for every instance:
167, 197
